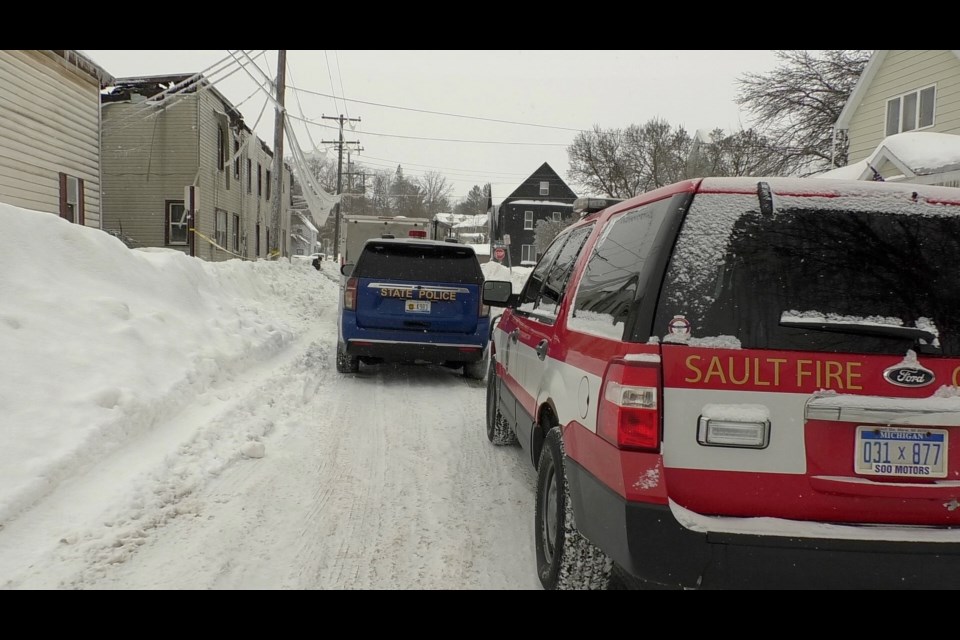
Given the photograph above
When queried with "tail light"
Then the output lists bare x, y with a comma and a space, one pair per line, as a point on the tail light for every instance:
350, 295
417, 233
628, 414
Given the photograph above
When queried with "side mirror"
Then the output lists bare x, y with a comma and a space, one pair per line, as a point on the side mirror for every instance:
498, 293
347, 269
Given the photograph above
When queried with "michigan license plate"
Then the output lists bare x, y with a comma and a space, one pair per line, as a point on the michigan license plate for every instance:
898, 451
418, 306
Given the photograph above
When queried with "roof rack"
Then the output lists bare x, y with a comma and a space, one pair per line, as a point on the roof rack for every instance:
587, 205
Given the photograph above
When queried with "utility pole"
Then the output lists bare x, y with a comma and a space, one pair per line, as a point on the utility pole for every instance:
350, 173
339, 143
277, 181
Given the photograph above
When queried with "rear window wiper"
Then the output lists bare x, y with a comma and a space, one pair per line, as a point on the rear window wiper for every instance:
926, 339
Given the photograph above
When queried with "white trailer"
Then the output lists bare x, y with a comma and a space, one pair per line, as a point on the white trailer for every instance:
356, 229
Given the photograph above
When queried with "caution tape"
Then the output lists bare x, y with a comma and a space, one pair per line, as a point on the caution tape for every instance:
214, 243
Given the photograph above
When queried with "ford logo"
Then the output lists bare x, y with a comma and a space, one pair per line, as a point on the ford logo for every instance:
908, 376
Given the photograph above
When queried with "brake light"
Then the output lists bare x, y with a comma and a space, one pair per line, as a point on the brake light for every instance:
417, 233
628, 413
350, 295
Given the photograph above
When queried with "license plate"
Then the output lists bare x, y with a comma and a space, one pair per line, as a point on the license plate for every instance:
418, 306
899, 451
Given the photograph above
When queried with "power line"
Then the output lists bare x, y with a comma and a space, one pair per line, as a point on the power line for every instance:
391, 135
435, 113
467, 171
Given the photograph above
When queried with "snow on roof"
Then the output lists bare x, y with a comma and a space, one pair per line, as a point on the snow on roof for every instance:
462, 220
924, 152
849, 172
480, 249
914, 153
472, 221
550, 202
306, 221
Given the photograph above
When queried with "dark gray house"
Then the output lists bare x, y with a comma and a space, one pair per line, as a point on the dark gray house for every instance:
542, 196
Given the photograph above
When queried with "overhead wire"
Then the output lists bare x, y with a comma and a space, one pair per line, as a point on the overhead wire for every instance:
346, 110
392, 135
436, 113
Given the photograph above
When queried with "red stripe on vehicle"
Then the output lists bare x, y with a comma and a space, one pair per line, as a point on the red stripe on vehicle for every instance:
636, 476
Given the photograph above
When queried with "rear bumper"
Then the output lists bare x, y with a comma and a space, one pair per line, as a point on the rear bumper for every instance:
648, 542
398, 351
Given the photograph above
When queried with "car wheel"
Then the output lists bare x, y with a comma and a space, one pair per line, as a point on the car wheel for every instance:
565, 559
345, 362
498, 431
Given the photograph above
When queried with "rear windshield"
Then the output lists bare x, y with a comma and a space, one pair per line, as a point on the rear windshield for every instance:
820, 274
422, 262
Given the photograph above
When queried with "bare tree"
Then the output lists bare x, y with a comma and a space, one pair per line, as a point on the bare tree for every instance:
380, 197
436, 192
743, 153
621, 163
796, 105
601, 165
548, 229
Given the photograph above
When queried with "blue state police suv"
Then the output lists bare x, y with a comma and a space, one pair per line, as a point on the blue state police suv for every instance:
413, 300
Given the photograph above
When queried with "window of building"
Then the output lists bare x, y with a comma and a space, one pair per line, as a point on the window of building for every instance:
259, 180
235, 240
249, 176
528, 219
258, 240
236, 159
268, 184
528, 253
544, 188
556, 216
914, 110
177, 224
71, 198
220, 230
221, 146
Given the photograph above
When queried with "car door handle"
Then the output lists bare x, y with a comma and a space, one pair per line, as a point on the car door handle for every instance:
542, 349
514, 335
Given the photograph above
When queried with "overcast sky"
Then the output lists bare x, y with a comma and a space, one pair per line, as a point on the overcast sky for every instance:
540, 99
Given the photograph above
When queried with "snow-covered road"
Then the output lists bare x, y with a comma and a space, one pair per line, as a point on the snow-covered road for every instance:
379, 480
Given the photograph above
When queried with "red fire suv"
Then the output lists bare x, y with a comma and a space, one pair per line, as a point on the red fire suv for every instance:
741, 383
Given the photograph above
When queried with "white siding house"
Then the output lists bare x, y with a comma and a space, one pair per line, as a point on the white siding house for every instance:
900, 94
50, 133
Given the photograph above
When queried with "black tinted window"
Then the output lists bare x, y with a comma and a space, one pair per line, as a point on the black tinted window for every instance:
435, 263
531, 291
556, 276
861, 272
608, 288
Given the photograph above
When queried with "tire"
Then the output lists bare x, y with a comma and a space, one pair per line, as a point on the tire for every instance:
498, 431
565, 559
476, 370
345, 362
